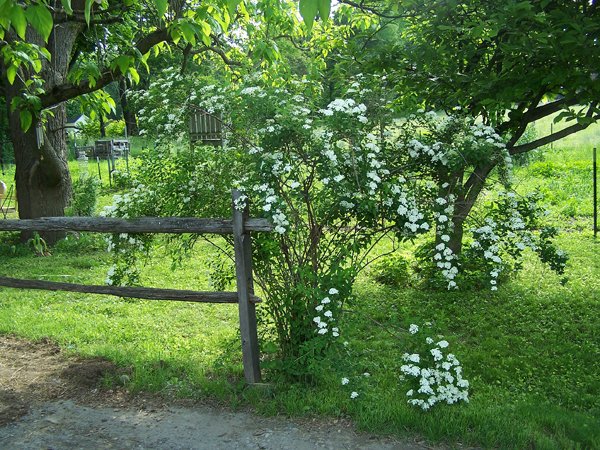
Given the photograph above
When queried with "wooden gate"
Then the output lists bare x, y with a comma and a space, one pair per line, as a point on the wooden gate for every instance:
239, 226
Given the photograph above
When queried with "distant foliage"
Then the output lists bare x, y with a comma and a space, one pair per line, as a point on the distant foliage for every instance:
85, 196
392, 270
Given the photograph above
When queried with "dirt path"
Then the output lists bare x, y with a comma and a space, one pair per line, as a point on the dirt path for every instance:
49, 401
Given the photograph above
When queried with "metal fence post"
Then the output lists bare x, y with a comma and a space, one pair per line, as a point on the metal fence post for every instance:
245, 288
595, 195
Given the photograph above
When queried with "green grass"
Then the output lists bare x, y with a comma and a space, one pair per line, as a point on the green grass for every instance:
530, 350
563, 174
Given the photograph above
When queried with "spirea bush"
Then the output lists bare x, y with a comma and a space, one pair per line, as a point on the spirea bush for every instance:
446, 148
326, 173
433, 374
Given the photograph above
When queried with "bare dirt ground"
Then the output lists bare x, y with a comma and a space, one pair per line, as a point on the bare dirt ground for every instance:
50, 401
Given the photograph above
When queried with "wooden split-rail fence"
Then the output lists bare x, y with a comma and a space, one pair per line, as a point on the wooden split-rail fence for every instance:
240, 226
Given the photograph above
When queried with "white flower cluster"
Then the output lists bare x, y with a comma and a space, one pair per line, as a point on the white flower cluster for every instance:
270, 204
444, 257
488, 134
347, 106
346, 382
487, 239
435, 153
324, 309
439, 376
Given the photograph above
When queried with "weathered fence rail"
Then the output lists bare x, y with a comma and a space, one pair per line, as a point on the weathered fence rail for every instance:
128, 291
174, 225
239, 226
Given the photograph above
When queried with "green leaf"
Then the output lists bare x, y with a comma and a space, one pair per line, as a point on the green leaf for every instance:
161, 7
324, 9
308, 11
123, 62
11, 73
18, 20
40, 18
144, 61
88, 11
37, 65
67, 6
46, 53
232, 6
135, 76
205, 31
26, 119
189, 32
108, 105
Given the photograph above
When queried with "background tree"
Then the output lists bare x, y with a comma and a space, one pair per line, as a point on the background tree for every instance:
53, 53
507, 64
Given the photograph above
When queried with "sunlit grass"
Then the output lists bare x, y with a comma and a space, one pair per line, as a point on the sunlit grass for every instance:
531, 350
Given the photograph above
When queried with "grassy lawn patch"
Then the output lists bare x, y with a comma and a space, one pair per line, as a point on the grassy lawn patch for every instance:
531, 350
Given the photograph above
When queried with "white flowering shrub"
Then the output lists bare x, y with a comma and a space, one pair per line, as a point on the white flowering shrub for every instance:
327, 173
164, 107
170, 184
319, 173
448, 147
315, 169
511, 225
433, 374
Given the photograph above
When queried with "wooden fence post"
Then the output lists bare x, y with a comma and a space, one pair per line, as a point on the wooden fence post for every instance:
245, 288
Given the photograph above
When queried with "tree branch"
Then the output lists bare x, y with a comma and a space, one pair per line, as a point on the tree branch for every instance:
550, 108
218, 51
540, 112
550, 138
67, 91
473, 186
373, 10
522, 121
107, 20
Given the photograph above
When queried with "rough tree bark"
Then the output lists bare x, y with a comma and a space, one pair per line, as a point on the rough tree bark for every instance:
102, 125
128, 112
42, 176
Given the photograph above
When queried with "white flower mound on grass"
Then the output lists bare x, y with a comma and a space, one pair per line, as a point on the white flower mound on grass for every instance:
439, 376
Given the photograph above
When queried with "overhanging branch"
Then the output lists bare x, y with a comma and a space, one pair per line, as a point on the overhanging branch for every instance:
218, 51
66, 91
373, 10
550, 138
515, 150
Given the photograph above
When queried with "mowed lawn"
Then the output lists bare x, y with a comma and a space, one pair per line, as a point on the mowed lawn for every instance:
531, 350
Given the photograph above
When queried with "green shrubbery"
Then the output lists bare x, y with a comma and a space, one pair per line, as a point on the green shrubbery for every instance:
392, 270
85, 196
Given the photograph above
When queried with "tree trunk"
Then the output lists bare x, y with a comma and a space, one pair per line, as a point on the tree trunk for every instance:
42, 175
128, 112
102, 125
456, 237
466, 196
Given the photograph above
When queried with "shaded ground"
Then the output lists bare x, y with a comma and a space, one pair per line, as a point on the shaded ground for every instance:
49, 401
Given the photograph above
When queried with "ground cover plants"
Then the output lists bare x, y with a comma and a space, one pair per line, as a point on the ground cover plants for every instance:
529, 350
477, 322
